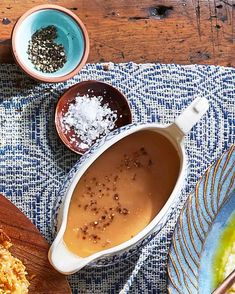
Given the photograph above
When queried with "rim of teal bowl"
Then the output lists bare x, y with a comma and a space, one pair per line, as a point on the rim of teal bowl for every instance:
77, 68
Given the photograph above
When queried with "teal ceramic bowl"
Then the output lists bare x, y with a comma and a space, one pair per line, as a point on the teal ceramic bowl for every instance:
71, 33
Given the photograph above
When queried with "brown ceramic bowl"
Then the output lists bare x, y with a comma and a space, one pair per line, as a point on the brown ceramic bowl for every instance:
71, 33
111, 96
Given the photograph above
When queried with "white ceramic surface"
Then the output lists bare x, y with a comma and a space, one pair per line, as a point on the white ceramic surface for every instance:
67, 262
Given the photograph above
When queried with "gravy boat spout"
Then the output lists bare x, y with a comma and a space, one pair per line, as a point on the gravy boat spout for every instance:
64, 261
67, 262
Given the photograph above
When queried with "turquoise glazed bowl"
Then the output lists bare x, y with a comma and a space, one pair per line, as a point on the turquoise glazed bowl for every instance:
71, 33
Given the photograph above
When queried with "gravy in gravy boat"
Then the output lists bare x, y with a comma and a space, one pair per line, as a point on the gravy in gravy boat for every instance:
121, 192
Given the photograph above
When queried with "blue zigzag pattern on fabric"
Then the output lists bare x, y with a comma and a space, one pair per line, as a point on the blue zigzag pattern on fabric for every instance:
34, 163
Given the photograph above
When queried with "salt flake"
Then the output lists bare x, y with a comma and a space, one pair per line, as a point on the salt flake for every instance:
89, 118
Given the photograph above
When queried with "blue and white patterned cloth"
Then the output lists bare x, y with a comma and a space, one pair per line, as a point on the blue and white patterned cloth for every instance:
33, 161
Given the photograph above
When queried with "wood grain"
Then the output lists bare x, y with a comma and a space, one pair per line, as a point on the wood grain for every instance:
170, 31
30, 247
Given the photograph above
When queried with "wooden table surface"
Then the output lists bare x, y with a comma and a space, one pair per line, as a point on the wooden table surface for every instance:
170, 31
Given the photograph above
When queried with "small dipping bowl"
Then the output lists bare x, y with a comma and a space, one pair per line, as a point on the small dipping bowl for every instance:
115, 100
71, 33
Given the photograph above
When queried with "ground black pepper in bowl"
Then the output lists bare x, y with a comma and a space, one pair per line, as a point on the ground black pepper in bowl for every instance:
46, 55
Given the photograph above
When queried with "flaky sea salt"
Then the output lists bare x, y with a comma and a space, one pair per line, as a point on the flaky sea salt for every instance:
89, 119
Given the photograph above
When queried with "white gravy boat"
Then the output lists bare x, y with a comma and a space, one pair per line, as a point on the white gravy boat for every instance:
67, 262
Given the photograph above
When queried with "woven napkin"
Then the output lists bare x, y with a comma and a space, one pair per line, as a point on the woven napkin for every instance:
34, 162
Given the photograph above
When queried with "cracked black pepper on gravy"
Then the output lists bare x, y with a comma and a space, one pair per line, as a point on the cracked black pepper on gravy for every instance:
121, 192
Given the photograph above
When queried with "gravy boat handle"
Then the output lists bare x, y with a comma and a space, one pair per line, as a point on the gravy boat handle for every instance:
191, 115
63, 260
